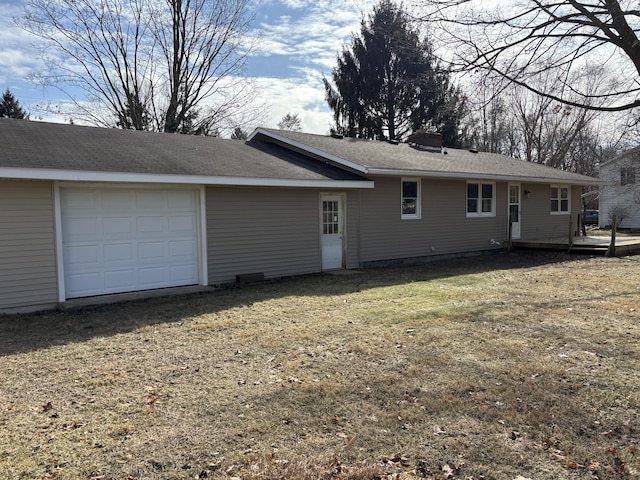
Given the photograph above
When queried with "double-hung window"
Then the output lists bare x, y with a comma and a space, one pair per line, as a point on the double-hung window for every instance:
410, 206
627, 176
481, 200
560, 201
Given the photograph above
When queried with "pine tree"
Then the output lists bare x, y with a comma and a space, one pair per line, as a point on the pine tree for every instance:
291, 122
388, 82
239, 134
10, 107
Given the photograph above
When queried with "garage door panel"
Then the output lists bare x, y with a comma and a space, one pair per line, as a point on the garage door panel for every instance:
149, 200
184, 248
155, 277
182, 224
147, 224
115, 280
85, 283
81, 254
181, 273
128, 239
151, 250
116, 200
83, 228
117, 226
80, 199
180, 200
119, 252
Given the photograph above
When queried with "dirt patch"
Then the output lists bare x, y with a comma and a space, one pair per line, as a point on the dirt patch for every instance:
522, 364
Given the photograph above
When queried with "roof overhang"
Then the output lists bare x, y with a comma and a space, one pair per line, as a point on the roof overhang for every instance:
582, 180
479, 176
118, 177
313, 151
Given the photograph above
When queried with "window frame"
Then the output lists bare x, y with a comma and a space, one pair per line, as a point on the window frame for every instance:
479, 213
418, 199
559, 199
627, 175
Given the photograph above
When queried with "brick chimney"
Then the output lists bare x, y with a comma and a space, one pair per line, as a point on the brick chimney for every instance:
426, 139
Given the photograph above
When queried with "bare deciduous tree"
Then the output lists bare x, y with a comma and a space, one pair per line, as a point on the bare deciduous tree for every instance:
165, 65
521, 40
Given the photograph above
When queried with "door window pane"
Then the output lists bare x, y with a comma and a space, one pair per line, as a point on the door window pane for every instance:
330, 217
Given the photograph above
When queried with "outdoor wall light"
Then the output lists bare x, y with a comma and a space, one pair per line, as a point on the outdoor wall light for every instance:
527, 193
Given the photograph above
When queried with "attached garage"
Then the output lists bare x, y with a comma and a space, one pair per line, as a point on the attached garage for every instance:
128, 239
87, 212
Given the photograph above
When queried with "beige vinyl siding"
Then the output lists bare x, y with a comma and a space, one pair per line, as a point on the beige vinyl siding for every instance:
273, 231
442, 229
352, 229
27, 245
537, 222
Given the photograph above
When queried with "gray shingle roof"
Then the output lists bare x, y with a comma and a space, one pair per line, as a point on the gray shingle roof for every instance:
40, 145
377, 157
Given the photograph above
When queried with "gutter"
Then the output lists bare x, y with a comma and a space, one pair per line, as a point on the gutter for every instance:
120, 177
483, 176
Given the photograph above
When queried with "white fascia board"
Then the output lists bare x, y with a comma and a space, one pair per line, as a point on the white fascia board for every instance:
481, 176
87, 176
314, 151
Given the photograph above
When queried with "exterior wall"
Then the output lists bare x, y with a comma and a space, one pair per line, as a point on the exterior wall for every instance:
28, 277
536, 218
353, 229
443, 228
615, 197
251, 230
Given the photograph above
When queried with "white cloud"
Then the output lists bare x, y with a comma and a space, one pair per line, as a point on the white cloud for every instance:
320, 31
17, 54
306, 98
306, 35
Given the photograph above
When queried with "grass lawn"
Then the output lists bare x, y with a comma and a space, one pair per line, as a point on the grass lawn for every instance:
522, 365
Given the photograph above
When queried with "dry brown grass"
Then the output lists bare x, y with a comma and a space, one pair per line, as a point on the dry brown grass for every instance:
497, 367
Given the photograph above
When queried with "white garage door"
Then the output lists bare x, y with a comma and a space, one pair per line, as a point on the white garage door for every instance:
123, 240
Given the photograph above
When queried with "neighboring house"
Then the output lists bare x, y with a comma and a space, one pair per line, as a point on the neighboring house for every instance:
620, 192
87, 211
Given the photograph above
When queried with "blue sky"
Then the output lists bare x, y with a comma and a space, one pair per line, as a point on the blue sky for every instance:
299, 41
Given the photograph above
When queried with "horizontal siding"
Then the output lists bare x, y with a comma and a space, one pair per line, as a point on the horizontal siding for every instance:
274, 231
537, 222
27, 245
352, 229
442, 229
615, 197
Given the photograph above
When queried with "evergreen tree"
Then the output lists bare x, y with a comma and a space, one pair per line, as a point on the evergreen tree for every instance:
388, 82
10, 107
239, 134
291, 122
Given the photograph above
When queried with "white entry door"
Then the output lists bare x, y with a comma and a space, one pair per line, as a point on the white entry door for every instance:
332, 225
127, 239
514, 209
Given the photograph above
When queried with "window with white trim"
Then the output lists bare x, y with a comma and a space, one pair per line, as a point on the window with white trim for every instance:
410, 206
481, 200
560, 199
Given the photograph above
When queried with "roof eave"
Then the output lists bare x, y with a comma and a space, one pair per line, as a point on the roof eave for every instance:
314, 151
119, 177
483, 176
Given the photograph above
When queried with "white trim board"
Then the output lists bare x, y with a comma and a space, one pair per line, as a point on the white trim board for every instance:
120, 177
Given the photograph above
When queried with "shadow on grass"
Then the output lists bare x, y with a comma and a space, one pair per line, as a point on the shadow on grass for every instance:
27, 332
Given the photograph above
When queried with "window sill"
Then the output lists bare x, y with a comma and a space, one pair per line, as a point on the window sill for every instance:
481, 215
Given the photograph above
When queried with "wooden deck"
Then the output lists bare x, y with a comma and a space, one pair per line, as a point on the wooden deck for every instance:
593, 245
